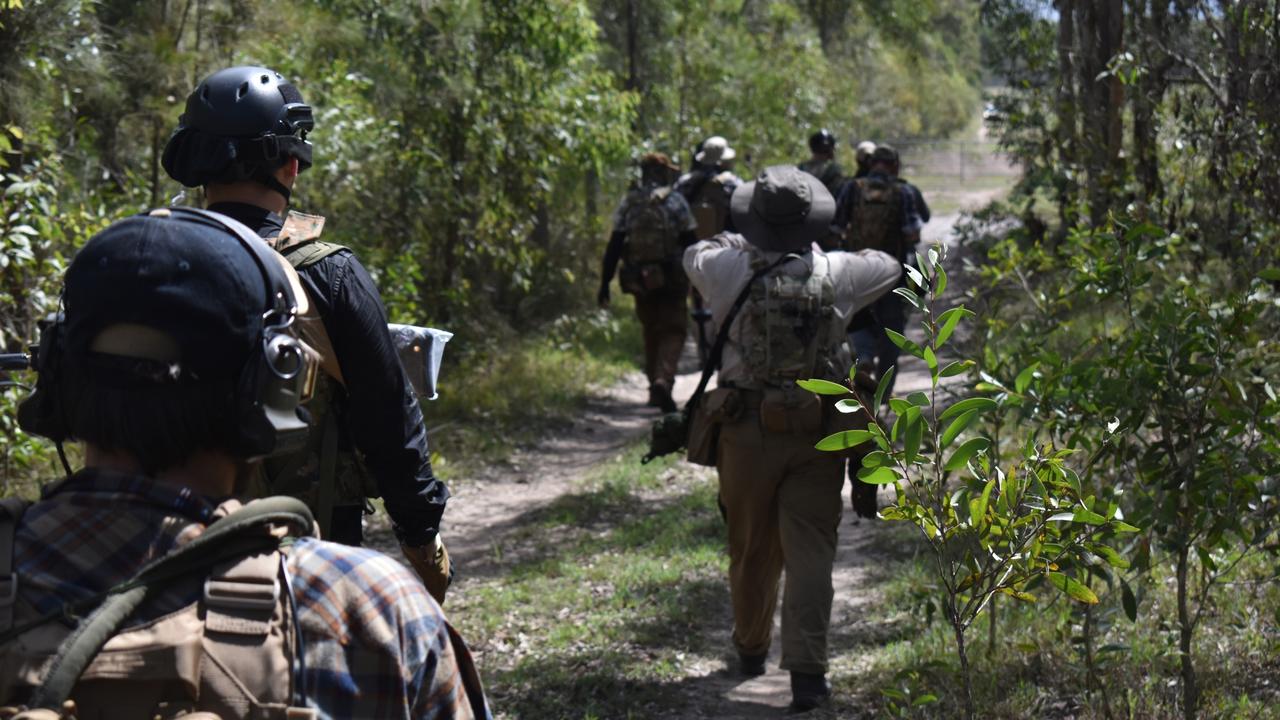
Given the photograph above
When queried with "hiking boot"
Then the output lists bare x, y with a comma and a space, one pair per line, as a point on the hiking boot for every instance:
751, 665
660, 397
809, 691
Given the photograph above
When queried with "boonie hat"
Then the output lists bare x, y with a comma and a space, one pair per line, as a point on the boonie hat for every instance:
191, 283
783, 209
715, 150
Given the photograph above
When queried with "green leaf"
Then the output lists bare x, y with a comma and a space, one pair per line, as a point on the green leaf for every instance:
1073, 588
956, 367
875, 459
1018, 594
877, 476
823, 387
956, 427
949, 320
883, 386
1023, 380
1089, 517
985, 499
1271, 273
843, 440
848, 405
901, 341
918, 399
1121, 526
1129, 601
924, 700
975, 404
960, 458
912, 298
913, 436
1113, 558
931, 360
940, 284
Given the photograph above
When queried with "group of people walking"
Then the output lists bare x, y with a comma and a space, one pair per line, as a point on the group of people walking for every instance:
205, 357
792, 272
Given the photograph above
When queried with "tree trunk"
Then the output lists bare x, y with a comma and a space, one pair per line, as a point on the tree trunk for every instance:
1068, 134
966, 680
1190, 693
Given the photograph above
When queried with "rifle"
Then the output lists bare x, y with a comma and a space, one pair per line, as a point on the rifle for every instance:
701, 315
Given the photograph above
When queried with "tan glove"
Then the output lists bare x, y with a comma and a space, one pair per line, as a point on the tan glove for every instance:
431, 562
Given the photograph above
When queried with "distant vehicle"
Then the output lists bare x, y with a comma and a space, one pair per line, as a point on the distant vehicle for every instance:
992, 115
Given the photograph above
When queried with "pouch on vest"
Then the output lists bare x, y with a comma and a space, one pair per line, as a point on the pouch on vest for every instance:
717, 407
876, 220
791, 412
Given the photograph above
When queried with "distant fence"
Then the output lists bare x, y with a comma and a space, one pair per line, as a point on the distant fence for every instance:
953, 159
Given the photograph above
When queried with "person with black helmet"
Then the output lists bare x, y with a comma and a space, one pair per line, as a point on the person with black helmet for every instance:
141, 585
822, 164
243, 137
786, 305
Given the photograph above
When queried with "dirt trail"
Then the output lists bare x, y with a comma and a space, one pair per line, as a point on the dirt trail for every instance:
485, 513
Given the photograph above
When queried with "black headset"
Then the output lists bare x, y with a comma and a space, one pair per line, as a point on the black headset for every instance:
278, 375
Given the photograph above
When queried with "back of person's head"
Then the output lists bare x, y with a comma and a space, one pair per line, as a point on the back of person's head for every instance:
822, 142
885, 159
656, 167
172, 341
240, 123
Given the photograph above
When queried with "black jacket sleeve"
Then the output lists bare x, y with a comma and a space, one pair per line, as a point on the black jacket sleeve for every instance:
383, 420
612, 254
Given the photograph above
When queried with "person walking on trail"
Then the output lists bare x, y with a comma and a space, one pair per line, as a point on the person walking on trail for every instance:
651, 227
243, 137
710, 184
177, 368
780, 496
878, 212
822, 162
862, 155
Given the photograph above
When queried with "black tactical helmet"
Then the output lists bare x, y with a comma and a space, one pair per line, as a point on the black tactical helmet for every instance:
822, 142
240, 123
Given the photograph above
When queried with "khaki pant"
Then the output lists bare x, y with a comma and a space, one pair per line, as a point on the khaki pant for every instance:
782, 503
664, 317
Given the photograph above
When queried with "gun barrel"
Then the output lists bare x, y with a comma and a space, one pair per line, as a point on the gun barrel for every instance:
15, 361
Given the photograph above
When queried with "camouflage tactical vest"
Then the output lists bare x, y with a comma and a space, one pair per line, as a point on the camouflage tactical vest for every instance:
651, 235
231, 653
325, 474
710, 207
791, 328
875, 222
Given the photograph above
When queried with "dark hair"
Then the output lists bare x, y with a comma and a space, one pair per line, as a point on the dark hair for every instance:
160, 425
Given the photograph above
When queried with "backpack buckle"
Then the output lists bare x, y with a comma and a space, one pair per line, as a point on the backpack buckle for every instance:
237, 595
8, 589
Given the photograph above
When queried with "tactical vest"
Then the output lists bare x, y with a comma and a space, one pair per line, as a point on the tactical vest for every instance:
323, 474
875, 222
231, 653
825, 170
651, 235
710, 206
790, 327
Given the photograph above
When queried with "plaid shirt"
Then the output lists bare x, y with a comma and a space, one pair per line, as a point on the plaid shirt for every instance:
375, 644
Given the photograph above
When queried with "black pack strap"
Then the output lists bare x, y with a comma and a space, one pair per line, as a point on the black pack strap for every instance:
722, 337
226, 538
11, 511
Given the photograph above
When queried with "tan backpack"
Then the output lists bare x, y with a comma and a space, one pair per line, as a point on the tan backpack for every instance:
229, 654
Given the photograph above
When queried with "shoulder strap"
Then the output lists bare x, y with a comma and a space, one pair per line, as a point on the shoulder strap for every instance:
228, 538
722, 337
305, 254
11, 510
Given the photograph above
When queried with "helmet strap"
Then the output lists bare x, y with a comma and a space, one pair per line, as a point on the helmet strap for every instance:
270, 181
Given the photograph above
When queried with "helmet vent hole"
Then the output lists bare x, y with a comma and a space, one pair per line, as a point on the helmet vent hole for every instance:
204, 93
242, 90
264, 79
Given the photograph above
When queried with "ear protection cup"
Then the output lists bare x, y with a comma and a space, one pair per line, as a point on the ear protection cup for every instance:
41, 413
271, 385
276, 375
